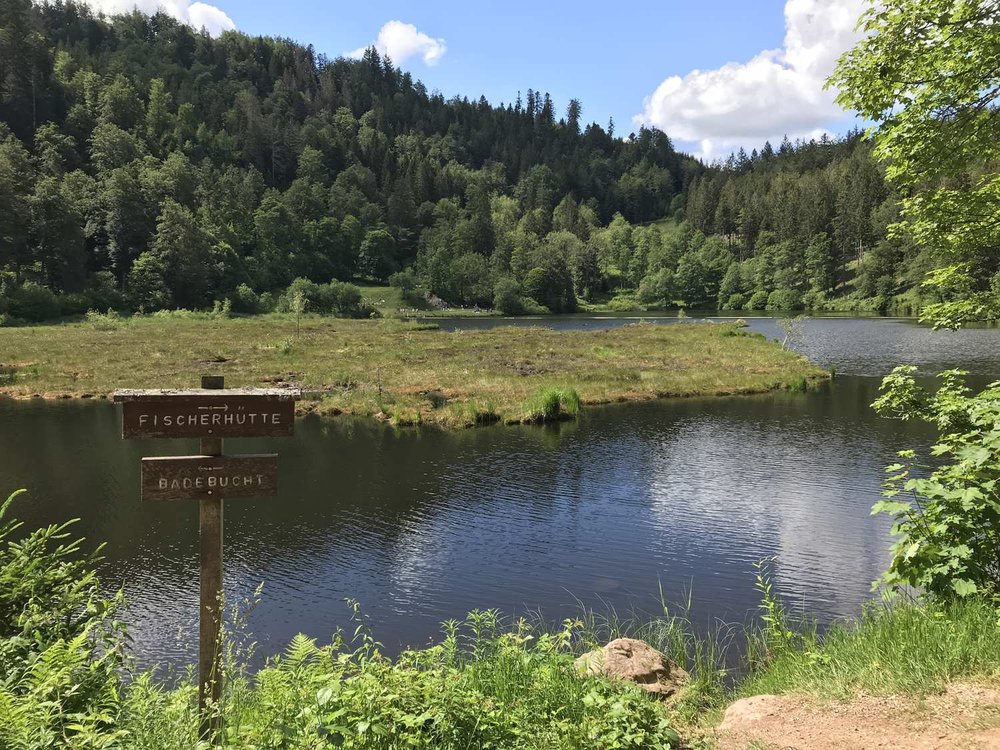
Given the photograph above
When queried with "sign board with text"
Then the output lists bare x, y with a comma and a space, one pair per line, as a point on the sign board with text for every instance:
211, 413
204, 477
246, 412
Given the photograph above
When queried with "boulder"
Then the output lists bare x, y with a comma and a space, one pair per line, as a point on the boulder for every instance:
636, 661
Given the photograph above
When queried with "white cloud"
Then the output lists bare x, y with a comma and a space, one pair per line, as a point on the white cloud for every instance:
778, 92
401, 41
198, 15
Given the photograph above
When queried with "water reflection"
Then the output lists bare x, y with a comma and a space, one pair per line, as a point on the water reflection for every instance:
424, 525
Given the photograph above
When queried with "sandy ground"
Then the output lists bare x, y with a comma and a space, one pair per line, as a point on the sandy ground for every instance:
966, 717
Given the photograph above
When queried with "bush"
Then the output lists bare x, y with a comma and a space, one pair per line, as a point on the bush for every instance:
222, 308
482, 686
507, 297
485, 684
109, 321
103, 293
268, 303
736, 301
34, 303
947, 523
551, 287
74, 303
784, 299
60, 647
813, 300
757, 301
623, 302
657, 288
336, 298
246, 301
406, 282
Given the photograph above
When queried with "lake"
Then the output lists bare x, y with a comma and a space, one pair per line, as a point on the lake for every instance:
423, 525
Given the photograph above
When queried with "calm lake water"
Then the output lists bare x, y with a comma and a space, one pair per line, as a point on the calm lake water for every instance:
423, 525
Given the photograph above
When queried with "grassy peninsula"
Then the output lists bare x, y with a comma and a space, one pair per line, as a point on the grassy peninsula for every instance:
404, 372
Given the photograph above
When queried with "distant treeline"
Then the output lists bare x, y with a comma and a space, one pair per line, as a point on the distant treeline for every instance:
810, 222
144, 165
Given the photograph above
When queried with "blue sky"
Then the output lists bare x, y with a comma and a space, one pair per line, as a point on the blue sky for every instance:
715, 74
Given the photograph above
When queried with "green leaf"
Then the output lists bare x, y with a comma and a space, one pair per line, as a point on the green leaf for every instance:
964, 587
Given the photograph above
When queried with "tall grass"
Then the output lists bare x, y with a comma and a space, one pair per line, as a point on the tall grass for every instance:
551, 404
896, 646
533, 374
705, 656
484, 685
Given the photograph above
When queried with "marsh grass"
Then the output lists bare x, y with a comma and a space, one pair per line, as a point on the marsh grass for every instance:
106, 321
486, 683
895, 647
551, 404
502, 374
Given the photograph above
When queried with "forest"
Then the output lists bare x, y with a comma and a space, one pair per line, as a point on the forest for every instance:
145, 165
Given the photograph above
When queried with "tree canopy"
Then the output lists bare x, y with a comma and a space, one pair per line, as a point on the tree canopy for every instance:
144, 164
928, 74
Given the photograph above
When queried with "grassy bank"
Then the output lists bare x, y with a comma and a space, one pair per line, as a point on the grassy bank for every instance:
407, 373
486, 683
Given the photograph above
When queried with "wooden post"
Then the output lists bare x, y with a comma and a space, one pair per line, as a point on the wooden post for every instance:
210, 620
210, 413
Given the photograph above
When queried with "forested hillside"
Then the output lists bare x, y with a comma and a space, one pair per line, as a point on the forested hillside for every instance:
807, 222
144, 165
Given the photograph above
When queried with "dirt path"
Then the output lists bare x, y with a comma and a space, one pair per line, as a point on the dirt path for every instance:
966, 716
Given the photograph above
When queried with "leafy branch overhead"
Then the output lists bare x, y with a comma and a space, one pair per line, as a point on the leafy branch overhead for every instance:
928, 75
946, 504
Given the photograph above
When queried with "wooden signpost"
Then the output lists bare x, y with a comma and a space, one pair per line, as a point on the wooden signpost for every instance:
210, 413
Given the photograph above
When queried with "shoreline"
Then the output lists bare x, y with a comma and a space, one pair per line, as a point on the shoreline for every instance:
405, 374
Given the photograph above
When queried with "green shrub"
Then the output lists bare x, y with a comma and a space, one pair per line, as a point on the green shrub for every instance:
947, 522
103, 293
34, 303
336, 298
482, 686
268, 303
222, 309
109, 321
735, 301
60, 645
623, 302
813, 300
487, 683
657, 288
507, 297
407, 283
757, 301
533, 308
551, 287
784, 299
245, 300
74, 303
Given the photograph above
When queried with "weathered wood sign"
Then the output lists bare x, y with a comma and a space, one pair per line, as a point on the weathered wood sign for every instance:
259, 412
203, 477
211, 414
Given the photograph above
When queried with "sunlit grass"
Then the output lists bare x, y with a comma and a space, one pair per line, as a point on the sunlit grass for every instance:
895, 648
401, 372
